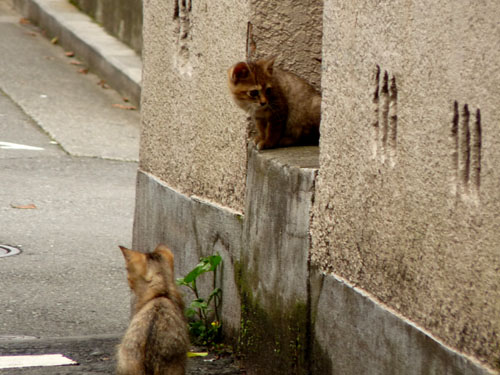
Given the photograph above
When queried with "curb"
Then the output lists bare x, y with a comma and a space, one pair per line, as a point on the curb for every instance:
112, 60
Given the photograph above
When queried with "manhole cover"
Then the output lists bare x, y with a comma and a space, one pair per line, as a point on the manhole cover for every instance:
6, 251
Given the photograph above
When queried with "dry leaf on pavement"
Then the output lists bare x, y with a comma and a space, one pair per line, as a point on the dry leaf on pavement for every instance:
23, 206
123, 106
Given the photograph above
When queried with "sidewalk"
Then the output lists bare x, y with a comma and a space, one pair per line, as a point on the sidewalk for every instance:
109, 58
70, 104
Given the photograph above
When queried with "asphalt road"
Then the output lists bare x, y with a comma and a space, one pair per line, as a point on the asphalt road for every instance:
68, 162
63, 202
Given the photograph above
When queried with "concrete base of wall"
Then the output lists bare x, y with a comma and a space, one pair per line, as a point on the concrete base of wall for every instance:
353, 334
192, 228
284, 316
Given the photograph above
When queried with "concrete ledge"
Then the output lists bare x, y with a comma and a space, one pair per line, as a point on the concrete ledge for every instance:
274, 261
353, 334
112, 60
279, 199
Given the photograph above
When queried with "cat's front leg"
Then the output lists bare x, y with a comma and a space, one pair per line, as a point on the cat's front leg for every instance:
272, 135
260, 125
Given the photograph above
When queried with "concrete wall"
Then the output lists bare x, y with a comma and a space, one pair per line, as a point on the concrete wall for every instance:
292, 31
194, 137
283, 315
192, 228
120, 18
381, 259
274, 262
407, 198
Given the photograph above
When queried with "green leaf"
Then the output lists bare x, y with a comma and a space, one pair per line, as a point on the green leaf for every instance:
205, 265
191, 276
199, 304
214, 261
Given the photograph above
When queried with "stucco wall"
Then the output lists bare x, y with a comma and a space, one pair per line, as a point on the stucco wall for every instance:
292, 31
193, 135
121, 18
407, 199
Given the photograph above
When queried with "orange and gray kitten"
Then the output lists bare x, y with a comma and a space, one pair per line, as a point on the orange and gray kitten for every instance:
285, 108
156, 341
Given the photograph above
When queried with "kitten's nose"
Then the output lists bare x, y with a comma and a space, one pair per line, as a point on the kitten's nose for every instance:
263, 103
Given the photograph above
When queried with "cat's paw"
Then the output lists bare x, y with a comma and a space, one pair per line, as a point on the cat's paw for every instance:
261, 145
258, 142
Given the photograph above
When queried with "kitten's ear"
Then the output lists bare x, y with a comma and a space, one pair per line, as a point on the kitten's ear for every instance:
133, 259
238, 72
269, 64
165, 252
127, 253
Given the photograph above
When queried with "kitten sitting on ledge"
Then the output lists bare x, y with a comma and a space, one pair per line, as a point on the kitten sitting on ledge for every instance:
285, 108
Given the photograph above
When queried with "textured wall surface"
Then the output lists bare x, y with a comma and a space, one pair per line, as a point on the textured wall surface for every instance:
408, 199
193, 135
191, 228
292, 31
122, 18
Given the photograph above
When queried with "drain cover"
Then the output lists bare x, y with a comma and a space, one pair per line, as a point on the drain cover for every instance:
6, 251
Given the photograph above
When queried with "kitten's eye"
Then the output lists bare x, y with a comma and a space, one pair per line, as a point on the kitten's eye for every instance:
253, 93
269, 91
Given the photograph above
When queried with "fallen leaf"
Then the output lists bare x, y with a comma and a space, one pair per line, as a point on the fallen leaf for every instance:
23, 206
103, 84
54, 40
30, 33
123, 106
24, 21
83, 71
75, 62
125, 100
70, 54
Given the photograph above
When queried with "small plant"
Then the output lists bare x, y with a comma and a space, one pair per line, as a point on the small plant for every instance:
205, 328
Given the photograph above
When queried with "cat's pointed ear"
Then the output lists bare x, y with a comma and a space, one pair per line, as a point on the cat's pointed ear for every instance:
127, 253
165, 252
238, 72
133, 257
269, 64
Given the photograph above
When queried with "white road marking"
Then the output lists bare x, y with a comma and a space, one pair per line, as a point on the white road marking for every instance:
17, 361
16, 146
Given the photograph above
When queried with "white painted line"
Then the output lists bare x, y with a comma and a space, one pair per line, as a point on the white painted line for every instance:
17, 361
15, 146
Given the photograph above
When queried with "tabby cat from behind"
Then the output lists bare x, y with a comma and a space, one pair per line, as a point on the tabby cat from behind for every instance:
156, 341
285, 108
